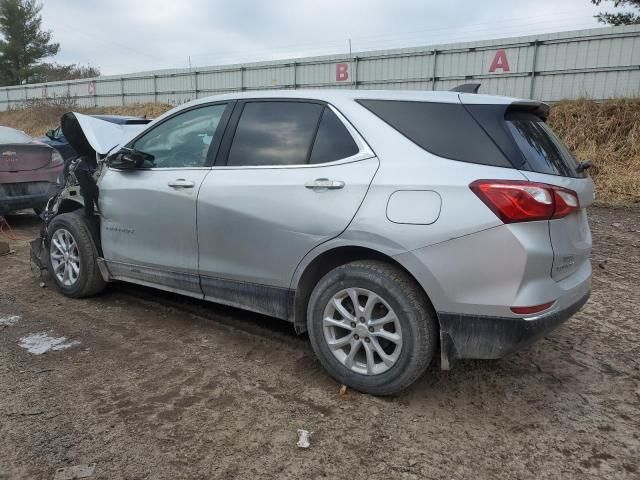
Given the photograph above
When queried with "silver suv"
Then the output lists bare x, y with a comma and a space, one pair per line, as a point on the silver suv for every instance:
394, 227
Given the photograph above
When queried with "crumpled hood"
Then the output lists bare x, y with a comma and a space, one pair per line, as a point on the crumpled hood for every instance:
89, 135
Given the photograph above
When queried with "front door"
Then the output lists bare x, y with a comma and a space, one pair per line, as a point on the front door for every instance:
294, 176
148, 225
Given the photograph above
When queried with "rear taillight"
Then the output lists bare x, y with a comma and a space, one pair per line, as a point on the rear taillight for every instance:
522, 201
56, 159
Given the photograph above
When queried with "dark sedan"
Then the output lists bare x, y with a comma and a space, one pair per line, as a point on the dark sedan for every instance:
29, 171
56, 139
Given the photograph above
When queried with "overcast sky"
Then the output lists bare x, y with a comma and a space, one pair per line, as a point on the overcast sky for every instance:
123, 36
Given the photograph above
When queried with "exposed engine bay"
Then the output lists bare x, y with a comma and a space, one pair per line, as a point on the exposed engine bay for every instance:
94, 140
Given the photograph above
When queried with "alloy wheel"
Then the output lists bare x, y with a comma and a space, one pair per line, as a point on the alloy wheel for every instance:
362, 331
65, 257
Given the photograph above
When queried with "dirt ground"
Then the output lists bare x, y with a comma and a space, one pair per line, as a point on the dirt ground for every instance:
163, 387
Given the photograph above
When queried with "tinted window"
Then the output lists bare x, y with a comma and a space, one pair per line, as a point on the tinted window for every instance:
333, 140
183, 140
274, 133
542, 150
444, 129
9, 135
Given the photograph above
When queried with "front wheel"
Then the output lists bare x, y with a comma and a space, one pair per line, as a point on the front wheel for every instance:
73, 256
371, 327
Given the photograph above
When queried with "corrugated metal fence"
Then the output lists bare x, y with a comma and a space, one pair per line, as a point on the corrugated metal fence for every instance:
597, 63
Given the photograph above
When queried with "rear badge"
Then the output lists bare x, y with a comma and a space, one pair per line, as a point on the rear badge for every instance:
9, 153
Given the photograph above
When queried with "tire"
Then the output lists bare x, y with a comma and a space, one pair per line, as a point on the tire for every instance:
401, 298
87, 280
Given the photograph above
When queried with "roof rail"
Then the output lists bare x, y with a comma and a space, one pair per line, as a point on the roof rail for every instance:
466, 88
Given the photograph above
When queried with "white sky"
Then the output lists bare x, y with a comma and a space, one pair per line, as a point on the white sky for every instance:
123, 36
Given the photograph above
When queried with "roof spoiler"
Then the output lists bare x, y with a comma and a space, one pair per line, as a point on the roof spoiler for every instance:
466, 88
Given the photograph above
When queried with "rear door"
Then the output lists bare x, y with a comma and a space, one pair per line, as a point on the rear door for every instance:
291, 174
547, 160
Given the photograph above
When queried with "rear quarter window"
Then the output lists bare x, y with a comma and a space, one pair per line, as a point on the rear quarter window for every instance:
443, 129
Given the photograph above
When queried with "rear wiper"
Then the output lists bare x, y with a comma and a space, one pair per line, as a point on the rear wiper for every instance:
582, 166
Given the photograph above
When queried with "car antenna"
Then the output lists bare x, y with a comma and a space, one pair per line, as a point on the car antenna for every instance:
466, 88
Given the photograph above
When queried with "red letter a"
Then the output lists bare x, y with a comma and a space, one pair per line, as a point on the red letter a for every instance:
499, 61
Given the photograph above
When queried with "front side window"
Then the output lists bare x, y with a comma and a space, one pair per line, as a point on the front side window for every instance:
274, 133
183, 140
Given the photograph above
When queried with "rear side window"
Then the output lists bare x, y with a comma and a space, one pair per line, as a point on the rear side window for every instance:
333, 140
274, 133
444, 129
9, 135
542, 150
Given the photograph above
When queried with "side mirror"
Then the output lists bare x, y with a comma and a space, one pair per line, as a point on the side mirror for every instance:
129, 158
51, 134
123, 160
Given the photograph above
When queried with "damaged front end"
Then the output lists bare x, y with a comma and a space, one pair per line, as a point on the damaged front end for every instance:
94, 140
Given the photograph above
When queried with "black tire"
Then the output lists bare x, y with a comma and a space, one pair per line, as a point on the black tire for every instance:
89, 281
411, 307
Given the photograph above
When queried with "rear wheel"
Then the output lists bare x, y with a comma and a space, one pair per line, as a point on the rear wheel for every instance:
371, 327
73, 256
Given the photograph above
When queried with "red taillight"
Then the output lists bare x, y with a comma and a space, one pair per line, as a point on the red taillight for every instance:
522, 201
566, 201
531, 310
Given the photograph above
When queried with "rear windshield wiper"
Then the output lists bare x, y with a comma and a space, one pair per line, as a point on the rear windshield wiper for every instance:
582, 166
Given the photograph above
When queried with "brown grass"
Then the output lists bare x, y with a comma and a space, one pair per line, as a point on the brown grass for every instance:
37, 119
606, 133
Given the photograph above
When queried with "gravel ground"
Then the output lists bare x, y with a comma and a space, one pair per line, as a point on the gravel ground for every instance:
156, 386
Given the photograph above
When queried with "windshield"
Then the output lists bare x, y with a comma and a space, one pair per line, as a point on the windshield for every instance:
543, 151
9, 135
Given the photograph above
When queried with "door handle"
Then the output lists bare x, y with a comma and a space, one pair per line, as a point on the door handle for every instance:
324, 184
181, 183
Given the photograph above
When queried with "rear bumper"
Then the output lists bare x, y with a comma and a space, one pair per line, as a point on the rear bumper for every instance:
484, 337
34, 197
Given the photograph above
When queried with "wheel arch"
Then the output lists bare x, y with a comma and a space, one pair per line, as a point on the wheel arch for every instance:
311, 271
68, 205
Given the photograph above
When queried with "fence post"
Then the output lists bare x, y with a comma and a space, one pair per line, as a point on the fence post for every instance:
242, 79
195, 83
122, 89
155, 88
533, 67
295, 75
355, 72
435, 66
8, 100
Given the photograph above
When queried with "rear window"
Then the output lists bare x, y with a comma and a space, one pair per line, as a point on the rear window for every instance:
444, 129
9, 135
543, 151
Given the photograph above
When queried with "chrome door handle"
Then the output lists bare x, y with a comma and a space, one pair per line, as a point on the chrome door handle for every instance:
181, 183
324, 183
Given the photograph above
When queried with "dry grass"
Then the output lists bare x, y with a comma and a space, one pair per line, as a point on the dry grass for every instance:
38, 119
606, 133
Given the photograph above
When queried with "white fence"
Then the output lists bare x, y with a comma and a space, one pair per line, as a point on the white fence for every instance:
597, 63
